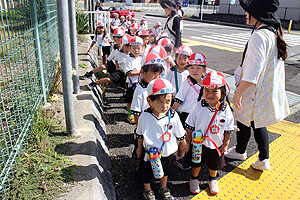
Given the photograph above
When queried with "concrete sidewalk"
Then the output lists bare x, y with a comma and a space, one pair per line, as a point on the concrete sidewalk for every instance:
88, 149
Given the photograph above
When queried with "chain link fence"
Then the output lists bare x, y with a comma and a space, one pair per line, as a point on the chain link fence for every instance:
28, 53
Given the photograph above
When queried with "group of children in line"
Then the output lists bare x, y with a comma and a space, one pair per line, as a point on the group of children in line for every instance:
175, 104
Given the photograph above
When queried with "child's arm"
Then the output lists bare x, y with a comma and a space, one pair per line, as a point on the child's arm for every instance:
139, 149
175, 106
188, 137
170, 61
133, 73
226, 142
136, 119
184, 145
117, 65
93, 43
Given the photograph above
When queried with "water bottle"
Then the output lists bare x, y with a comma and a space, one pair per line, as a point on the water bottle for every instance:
157, 169
197, 146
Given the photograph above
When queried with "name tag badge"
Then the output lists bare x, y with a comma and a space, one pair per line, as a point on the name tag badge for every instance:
166, 137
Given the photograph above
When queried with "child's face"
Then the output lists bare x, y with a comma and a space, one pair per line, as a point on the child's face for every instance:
100, 29
136, 50
181, 60
145, 39
151, 38
150, 75
212, 95
196, 71
126, 48
117, 40
162, 104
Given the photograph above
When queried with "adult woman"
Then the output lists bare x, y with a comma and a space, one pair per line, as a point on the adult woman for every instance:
260, 98
173, 25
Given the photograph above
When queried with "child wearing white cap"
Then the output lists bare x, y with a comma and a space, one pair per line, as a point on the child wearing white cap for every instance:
208, 127
159, 127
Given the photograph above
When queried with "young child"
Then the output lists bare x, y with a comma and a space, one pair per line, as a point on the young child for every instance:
151, 69
117, 76
110, 65
168, 46
133, 29
103, 40
151, 38
209, 124
132, 70
187, 95
159, 127
158, 28
144, 23
159, 50
178, 74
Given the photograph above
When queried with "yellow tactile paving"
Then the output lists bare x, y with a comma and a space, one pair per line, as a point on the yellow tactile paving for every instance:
281, 182
198, 43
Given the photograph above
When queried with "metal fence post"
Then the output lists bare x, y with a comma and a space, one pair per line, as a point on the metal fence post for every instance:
285, 13
74, 56
64, 48
38, 53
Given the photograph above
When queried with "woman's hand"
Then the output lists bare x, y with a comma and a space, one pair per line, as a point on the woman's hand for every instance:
237, 99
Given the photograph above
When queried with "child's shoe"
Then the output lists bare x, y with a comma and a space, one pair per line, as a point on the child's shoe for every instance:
232, 154
194, 186
213, 187
165, 192
149, 195
261, 165
86, 75
181, 163
131, 119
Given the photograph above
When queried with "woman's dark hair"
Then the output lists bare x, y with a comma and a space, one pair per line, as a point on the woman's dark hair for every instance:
281, 45
224, 96
153, 68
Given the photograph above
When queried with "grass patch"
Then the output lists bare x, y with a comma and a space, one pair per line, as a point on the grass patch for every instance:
42, 172
82, 65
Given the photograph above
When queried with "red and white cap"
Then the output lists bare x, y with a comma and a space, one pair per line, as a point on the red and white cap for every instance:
143, 33
151, 32
152, 58
135, 26
125, 39
158, 23
158, 50
136, 40
116, 14
214, 79
160, 86
162, 35
185, 50
100, 24
165, 42
119, 32
197, 59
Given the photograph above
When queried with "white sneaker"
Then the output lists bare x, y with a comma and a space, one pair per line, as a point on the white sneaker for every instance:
213, 187
232, 154
194, 186
261, 165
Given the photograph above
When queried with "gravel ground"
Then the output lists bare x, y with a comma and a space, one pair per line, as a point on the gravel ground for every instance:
120, 143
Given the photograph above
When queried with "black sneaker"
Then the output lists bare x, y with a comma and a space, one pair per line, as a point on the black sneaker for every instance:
182, 164
86, 75
165, 192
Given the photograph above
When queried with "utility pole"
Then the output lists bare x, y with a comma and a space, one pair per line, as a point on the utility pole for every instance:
66, 72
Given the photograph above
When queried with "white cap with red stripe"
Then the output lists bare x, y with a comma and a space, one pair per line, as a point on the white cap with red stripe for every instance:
136, 40
197, 59
165, 42
185, 50
143, 33
125, 39
135, 26
214, 79
119, 32
151, 32
160, 86
100, 24
159, 50
152, 58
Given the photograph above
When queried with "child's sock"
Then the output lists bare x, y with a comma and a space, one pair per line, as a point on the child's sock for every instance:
194, 177
212, 178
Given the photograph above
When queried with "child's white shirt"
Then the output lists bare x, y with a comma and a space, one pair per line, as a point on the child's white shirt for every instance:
181, 77
200, 118
121, 58
133, 64
139, 101
150, 128
188, 94
100, 41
